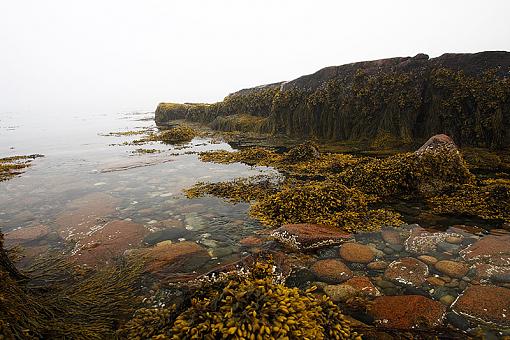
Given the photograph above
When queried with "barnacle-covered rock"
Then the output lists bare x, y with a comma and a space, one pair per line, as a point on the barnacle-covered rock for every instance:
408, 271
307, 236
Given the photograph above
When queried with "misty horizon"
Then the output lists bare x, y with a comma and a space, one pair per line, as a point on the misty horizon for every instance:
63, 57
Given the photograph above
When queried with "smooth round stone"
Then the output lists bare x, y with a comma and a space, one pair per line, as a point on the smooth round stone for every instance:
453, 240
331, 270
388, 251
463, 285
430, 260
340, 293
452, 284
448, 247
391, 236
435, 281
447, 300
452, 268
377, 265
396, 247
385, 284
357, 253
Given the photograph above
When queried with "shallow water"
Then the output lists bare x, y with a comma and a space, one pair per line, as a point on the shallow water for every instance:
83, 182
81, 168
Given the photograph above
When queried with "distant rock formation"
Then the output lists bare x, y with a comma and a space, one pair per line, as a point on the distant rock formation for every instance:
382, 102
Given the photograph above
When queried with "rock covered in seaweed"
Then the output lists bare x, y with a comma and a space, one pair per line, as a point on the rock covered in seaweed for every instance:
307, 236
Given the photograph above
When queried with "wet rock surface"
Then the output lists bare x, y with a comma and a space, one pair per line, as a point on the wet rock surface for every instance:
489, 304
452, 268
309, 236
407, 312
407, 270
331, 270
490, 249
357, 253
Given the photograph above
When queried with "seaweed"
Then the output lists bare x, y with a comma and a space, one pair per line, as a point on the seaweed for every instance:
14, 165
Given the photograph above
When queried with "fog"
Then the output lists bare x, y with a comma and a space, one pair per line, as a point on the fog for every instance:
62, 57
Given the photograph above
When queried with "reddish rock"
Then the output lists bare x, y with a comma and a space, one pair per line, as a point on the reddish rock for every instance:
251, 241
407, 311
27, 234
331, 271
489, 304
108, 241
81, 216
430, 260
490, 249
309, 236
488, 272
363, 285
171, 258
407, 270
391, 236
452, 268
356, 252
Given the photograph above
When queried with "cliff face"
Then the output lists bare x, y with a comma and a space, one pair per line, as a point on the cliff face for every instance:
388, 101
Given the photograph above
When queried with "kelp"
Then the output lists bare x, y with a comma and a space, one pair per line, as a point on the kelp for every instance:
175, 135
14, 165
248, 304
57, 300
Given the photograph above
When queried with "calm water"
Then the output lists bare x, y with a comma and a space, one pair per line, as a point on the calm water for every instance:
81, 168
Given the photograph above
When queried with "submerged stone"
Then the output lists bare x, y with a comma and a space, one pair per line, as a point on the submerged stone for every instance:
407, 270
331, 271
356, 252
407, 312
489, 249
452, 268
488, 304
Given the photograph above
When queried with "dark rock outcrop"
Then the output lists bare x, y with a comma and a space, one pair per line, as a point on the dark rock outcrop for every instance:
384, 102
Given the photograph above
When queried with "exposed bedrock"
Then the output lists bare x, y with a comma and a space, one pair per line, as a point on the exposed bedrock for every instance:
383, 102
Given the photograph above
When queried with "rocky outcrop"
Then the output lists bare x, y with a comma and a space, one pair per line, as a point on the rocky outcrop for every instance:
387, 101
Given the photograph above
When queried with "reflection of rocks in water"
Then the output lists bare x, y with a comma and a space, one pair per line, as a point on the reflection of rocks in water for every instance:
108, 241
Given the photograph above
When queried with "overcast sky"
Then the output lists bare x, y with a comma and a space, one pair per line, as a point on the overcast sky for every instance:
95, 56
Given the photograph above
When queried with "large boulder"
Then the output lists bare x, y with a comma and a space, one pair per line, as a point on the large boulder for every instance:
488, 304
407, 312
309, 236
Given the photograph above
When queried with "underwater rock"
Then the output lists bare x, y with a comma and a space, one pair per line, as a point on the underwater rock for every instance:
489, 249
422, 241
340, 293
377, 265
452, 268
363, 285
309, 236
488, 272
435, 281
489, 304
251, 241
170, 258
356, 253
331, 271
108, 241
407, 312
430, 260
391, 236
83, 214
26, 234
407, 270
166, 234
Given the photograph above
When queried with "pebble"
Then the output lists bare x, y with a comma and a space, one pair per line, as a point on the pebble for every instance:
454, 239
340, 293
388, 251
356, 252
447, 300
435, 281
377, 265
430, 260
452, 268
